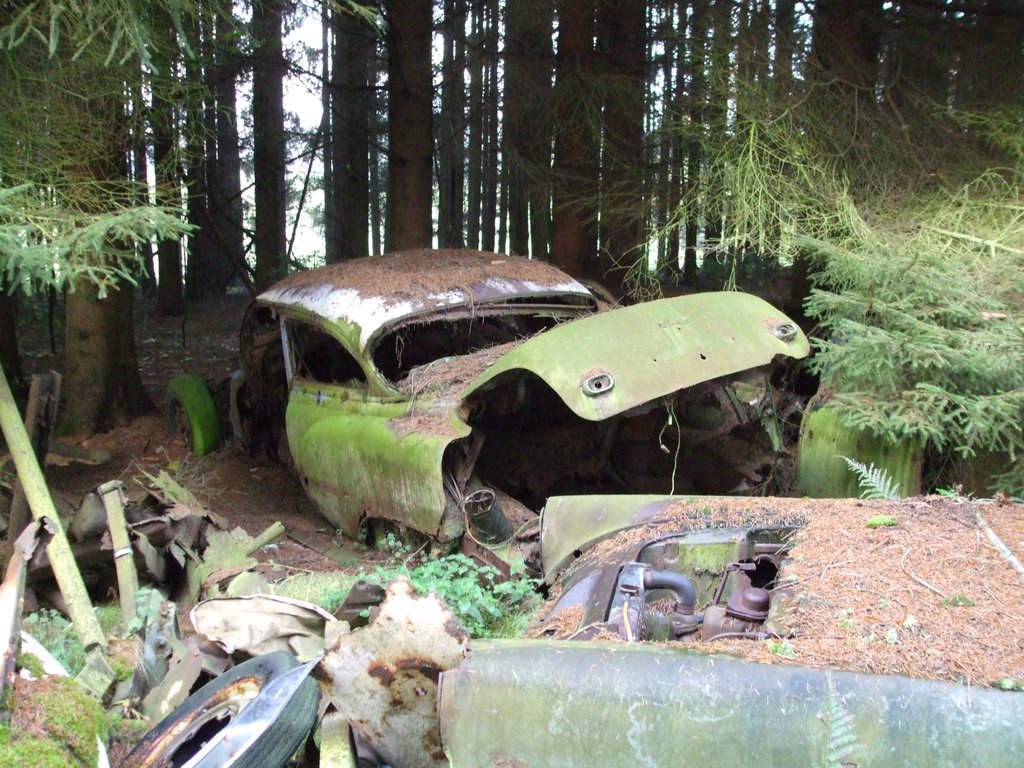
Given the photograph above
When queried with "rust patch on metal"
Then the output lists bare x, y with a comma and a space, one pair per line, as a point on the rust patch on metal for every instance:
381, 672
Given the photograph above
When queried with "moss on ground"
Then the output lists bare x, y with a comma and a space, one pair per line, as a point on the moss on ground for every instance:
54, 724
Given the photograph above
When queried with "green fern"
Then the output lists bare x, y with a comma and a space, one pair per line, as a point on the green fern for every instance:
875, 482
842, 740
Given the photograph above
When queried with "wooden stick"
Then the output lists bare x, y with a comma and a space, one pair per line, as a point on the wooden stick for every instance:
65, 570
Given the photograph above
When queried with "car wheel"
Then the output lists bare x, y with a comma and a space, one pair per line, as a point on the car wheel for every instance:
209, 713
189, 411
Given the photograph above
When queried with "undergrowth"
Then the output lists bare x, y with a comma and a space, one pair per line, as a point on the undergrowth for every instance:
487, 605
913, 224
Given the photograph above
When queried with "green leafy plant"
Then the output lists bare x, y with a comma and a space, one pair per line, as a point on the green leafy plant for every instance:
875, 482
781, 648
841, 739
487, 605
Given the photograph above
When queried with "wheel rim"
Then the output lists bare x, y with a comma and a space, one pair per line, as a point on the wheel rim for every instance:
190, 736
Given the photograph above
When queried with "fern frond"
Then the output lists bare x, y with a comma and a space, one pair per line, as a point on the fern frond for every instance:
841, 738
875, 482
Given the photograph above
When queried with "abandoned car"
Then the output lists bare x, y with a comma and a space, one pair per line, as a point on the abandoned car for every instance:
437, 391
719, 631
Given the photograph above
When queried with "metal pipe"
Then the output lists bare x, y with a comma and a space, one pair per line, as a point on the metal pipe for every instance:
676, 583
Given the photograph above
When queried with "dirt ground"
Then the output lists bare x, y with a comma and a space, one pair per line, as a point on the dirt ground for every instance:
248, 491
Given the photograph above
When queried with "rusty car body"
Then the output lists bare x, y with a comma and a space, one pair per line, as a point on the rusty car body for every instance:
436, 391
642, 654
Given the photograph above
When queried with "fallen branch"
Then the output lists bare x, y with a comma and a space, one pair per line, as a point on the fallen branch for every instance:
918, 579
1004, 550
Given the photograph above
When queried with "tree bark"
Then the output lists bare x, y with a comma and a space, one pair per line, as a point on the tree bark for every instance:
527, 130
170, 301
489, 180
622, 171
10, 357
327, 123
573, 238
224, 178
410, 132
350, 137
269, 143
102, 385
475, 130
451, 151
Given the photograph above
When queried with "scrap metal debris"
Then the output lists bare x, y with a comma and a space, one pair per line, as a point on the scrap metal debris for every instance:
383, 678
261, 624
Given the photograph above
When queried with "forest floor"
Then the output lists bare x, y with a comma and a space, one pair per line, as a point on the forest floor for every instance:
255, 492
250, 492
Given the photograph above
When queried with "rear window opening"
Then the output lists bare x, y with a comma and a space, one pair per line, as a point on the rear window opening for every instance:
411, 346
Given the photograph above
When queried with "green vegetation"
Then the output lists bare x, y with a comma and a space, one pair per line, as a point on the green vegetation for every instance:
53, 632
53, 725
881, 521
916, 239
842, 740
65, 215
487, 605
875, 482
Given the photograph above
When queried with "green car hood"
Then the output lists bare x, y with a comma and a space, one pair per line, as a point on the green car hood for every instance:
608, 363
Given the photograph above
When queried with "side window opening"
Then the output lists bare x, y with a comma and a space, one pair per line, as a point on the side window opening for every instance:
319, 356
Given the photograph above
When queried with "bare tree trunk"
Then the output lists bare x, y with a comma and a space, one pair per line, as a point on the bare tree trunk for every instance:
225, 180
102, 386
141, 178
489, 180
450, 141
622, 172
527, 131
10, 357
410, 132
378, 117
351, 135
328, 89
170, 302
269, 143
696, 98
474, 154
785, 44
572, 230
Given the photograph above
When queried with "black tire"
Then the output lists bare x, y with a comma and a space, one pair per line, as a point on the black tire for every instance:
211, 709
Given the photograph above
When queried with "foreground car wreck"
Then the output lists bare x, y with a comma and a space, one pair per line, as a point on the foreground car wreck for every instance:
438, 390
692, 663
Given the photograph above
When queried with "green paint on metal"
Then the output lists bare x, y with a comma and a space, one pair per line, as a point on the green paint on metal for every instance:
702, 556
355, 460
571, 523
568, 704
650, 350
190, 393
825, 439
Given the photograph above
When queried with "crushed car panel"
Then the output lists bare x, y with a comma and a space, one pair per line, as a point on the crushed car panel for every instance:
542, 703
613, 361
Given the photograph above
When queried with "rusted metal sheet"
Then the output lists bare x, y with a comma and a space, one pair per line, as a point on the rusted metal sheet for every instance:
352, 459
426, 281
383, 678
613, 361
551, 703
572, 523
